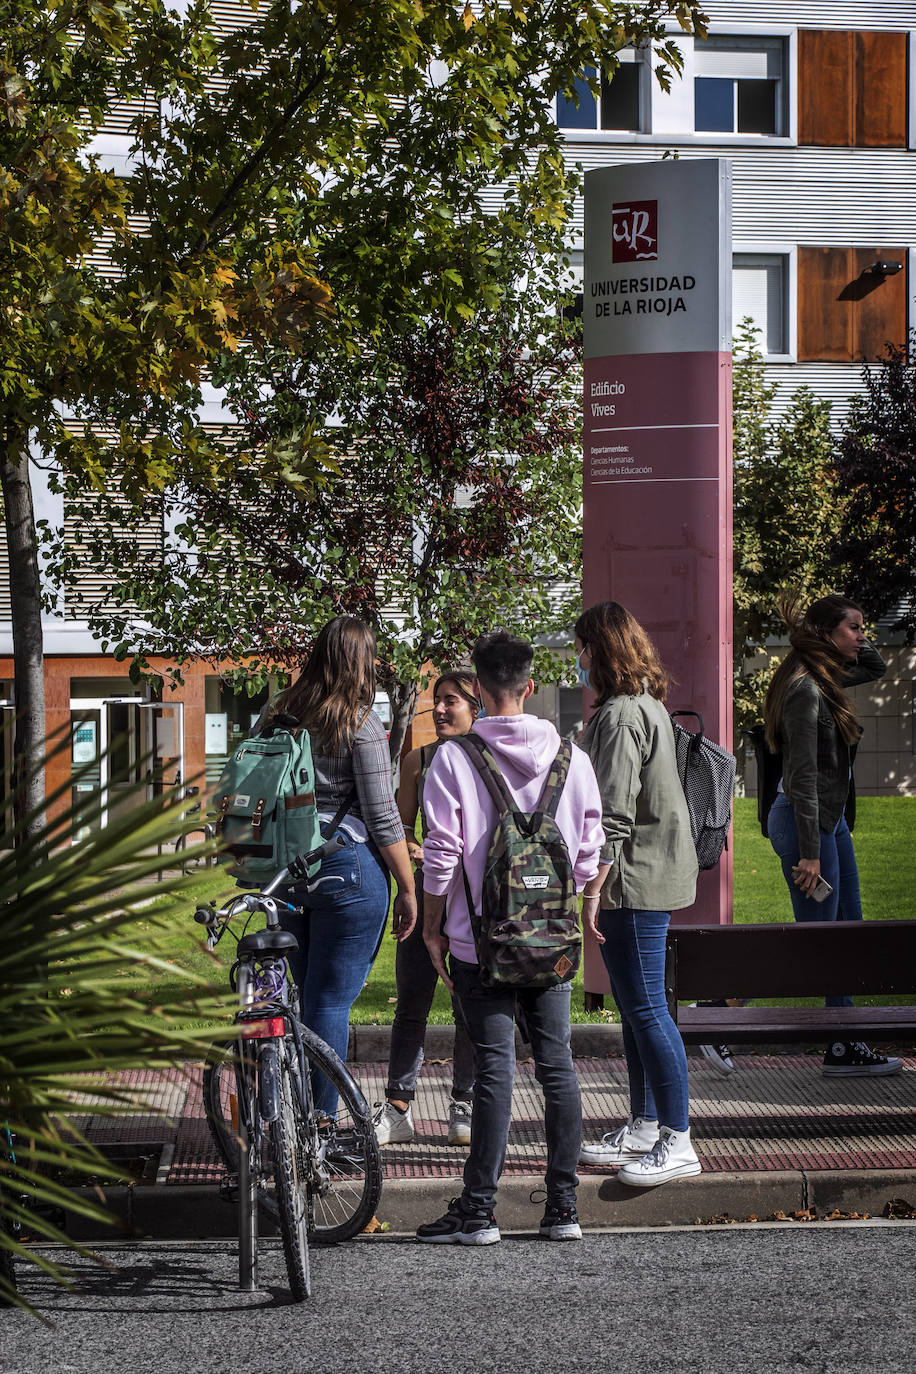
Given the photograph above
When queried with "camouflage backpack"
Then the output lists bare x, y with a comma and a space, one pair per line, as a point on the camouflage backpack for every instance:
527, 931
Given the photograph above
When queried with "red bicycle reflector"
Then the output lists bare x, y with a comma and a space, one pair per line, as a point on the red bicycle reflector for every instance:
262, 1030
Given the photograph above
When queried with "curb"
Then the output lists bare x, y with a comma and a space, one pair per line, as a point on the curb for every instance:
196, 1211
370, 1044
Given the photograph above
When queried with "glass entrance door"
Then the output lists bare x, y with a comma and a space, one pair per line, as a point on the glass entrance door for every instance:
164, 734
7, 722
120, 743
89, 765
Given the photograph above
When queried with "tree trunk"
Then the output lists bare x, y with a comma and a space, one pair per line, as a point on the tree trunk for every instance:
403, 697
28, 646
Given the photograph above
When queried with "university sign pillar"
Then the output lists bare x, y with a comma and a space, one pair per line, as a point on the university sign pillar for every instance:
657, 436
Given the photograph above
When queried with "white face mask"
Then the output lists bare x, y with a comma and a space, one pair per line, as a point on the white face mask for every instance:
581, 672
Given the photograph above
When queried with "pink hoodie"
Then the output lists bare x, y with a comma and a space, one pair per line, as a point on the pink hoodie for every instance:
460, 815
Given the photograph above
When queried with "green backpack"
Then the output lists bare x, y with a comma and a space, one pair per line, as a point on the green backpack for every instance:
527, 931
265, 803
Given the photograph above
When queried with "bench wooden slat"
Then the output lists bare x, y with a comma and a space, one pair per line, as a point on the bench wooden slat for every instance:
789, 960
775, 1025
795, 960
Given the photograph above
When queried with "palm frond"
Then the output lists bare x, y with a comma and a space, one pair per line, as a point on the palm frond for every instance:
76, 915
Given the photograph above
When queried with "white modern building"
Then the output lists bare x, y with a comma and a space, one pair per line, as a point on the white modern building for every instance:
815, 105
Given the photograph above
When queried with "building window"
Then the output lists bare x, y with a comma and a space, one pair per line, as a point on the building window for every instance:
739, 87
619, 104
760, 292
228, 717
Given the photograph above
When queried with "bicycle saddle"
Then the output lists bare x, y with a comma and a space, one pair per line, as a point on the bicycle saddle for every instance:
267, 941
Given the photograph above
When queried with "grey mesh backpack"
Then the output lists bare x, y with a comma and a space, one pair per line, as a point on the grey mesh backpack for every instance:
707, 774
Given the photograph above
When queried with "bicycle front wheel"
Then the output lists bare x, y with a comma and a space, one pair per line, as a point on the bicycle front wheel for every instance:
290, 1171
346, 1181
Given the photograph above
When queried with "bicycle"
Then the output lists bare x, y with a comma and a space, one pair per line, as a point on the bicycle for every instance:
319, 1178
201, 833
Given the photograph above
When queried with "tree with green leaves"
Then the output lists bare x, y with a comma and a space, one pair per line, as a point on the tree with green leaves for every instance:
876, 471
348, 149
84, 348
786, 513
457, 507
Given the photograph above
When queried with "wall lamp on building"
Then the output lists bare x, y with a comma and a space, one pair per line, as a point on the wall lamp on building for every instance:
884, 269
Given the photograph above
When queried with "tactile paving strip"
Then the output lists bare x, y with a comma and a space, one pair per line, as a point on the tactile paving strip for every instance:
775, 1112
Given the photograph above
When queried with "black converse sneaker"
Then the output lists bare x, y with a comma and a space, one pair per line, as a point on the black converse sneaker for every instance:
855, 1060
719, 1056
460, 1227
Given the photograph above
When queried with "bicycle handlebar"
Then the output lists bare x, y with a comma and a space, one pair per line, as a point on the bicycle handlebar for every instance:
211, 917
300, 866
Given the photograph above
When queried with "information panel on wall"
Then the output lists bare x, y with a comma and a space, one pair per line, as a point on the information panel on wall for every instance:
657, 433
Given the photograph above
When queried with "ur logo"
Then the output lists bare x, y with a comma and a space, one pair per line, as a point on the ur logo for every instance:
635, 231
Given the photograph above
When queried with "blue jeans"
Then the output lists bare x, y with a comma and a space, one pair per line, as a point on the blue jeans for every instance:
416, 985
838, 868
634, 956
339, 935
490, 1018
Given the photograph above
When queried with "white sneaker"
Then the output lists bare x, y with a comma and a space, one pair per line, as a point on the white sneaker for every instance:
459, 1123
391, 1126
672, 1156
630, 1141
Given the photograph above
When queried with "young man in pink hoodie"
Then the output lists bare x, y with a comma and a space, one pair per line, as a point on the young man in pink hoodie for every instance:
461, 818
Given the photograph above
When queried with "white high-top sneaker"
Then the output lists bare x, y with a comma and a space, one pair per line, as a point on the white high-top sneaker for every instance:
672, 1156
630, 1141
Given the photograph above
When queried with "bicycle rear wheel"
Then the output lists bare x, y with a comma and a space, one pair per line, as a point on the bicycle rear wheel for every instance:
345, 1169
290, 1172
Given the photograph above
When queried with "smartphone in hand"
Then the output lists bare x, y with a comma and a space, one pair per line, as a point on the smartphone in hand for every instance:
822, 888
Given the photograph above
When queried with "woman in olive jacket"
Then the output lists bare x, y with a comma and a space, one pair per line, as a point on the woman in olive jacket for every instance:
810, 719
648, 869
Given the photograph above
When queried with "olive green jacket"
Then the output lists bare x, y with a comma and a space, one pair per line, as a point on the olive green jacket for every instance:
630, 742
816, 760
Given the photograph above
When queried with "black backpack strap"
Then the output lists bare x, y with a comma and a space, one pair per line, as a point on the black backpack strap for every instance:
327, 830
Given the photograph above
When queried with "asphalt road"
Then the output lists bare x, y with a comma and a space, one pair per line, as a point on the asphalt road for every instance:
832, 1299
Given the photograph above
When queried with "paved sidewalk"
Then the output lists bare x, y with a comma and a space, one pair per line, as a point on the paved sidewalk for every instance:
775, 1137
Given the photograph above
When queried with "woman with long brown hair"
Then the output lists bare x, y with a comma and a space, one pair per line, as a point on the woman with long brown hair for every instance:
344, 914
809, 719
648, 869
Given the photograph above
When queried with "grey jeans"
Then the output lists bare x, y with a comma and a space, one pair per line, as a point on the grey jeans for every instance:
490, 1016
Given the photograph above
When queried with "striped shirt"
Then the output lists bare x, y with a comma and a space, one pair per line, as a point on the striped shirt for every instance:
365, 766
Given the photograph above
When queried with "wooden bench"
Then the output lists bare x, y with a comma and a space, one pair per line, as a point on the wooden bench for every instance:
861, 958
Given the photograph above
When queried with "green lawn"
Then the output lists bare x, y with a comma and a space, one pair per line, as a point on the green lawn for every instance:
887, 865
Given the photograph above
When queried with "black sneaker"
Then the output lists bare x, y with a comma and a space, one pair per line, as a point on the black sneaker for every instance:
720, 1057
458, 1227
560, 1223
856, 1060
